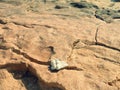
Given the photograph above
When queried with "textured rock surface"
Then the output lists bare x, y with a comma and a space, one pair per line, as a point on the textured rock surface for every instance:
34, 32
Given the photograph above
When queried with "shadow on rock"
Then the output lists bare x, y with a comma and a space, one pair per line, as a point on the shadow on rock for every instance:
83, 4
30, 81
33, 82
115, 0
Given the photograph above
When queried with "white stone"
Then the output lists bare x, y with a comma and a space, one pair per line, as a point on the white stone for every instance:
57, 64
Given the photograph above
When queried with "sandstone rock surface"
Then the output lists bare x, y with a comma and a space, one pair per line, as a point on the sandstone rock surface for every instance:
34, 32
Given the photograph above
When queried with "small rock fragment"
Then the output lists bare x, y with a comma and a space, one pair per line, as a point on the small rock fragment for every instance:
57, 64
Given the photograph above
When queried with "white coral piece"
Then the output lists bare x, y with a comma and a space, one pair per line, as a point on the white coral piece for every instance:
57, 64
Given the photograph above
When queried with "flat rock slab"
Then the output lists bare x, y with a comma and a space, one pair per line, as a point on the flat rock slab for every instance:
33, 33
109, 34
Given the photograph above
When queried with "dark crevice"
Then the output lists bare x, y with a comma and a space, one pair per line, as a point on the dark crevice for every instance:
107, 59
13, 66
25, 55
106, 46
32, 25
47, 26
24, 25
72, 48
65, 15
96, 35
68, 68
73, 68
102, 44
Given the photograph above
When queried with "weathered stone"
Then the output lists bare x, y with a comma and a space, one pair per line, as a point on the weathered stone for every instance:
84, 4
106, 15
31, 39
57, 64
